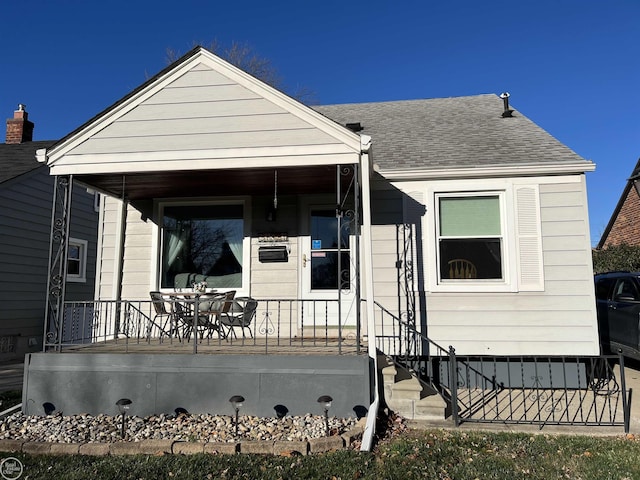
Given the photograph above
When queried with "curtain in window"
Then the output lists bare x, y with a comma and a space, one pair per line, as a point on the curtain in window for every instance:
177, 240
234, 239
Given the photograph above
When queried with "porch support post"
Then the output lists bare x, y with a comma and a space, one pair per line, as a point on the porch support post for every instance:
119, 255
339, 220
358, 232
58, 253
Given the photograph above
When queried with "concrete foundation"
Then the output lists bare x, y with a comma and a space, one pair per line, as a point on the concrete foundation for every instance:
77, 383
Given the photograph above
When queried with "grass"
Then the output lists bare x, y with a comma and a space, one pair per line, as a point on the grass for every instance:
429, 454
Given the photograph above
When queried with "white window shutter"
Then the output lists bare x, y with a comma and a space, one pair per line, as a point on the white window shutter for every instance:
529, 239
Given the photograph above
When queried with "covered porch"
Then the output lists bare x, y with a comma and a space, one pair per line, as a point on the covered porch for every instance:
207, 176
314, 342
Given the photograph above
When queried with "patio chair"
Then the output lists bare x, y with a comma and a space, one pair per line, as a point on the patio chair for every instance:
163, 316
218, 307
461, 268
240, 315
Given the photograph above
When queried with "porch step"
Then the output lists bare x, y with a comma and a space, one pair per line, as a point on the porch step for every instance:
409, 397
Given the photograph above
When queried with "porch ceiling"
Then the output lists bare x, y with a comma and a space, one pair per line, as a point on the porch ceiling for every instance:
204, 183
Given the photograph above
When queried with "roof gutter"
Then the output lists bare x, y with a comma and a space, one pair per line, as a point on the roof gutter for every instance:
41, 155
367, 260
489, 171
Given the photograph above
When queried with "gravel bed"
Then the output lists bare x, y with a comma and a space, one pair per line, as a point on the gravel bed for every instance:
185, 427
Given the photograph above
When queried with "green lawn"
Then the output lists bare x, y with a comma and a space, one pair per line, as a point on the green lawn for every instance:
411, 454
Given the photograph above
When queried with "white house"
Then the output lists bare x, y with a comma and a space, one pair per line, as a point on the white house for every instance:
456, 217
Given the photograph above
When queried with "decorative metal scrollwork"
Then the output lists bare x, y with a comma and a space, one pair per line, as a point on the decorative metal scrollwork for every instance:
537, 385
58, 259
266, 326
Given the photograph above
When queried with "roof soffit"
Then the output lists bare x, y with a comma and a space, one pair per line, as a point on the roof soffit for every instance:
202, 59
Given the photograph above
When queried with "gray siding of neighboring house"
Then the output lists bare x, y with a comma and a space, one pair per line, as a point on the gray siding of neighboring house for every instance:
25, 229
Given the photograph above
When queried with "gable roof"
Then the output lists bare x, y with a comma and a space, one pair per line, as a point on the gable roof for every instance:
458, 132
179, 117
202, 113
19, 158
635, 175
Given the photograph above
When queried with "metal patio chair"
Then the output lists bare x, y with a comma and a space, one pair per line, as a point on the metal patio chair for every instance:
240, 315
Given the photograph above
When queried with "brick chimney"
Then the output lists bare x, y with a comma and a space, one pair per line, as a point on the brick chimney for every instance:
19, 128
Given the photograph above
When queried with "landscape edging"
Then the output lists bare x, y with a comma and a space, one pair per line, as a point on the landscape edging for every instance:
180, 447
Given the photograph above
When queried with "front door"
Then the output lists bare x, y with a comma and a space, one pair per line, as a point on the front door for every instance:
328, 274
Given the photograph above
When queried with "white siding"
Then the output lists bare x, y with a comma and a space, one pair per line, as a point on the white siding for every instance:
558, 320
107, 256
210, 115
279, 279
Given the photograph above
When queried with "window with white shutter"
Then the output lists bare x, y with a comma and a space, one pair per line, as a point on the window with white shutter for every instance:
529, 239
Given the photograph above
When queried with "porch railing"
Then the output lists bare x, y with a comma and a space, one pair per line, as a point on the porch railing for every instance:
279, 325
538, 390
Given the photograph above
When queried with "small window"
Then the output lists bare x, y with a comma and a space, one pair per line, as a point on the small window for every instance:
77, 260
470, 238
330, 266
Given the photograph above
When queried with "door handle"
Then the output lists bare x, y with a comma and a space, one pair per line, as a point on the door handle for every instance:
304, 260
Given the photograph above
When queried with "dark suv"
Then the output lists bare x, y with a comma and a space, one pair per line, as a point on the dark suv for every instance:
618, 300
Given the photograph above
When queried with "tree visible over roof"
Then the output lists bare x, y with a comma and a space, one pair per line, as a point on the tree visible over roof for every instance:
246, 58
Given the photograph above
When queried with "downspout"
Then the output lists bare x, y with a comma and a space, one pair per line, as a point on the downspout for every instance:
367, 260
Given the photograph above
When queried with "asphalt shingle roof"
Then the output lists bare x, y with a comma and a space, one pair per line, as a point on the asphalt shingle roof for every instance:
17, 159
458, 132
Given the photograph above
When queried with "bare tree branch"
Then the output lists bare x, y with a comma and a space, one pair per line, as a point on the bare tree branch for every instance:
243, 56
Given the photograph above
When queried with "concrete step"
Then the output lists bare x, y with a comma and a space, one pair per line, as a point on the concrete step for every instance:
407, 396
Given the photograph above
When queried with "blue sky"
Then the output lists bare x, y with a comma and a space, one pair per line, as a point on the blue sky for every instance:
571, 66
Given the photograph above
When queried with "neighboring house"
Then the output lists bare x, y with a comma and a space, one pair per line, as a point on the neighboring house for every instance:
26, 193
458, 216
624, 224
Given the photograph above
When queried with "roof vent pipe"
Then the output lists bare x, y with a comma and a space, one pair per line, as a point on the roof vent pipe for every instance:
505, 98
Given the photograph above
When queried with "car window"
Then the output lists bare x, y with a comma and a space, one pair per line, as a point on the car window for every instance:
603, 287
626, 288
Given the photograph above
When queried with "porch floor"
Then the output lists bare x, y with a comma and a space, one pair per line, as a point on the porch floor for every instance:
247, 346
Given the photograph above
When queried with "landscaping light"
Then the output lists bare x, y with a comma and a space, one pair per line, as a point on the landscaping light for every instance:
281, 411
49, 408
325, 401
236, 403
123, 405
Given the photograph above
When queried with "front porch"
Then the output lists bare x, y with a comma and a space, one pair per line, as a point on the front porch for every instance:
102, 351
278, 327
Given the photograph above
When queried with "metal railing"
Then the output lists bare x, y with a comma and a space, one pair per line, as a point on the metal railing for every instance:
539, 390
277, 325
